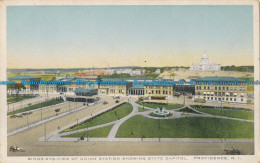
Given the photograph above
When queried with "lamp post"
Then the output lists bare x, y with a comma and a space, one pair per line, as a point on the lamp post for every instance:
221, 101
78, 128
159, 131
44, 131
41, 113
74, 98
69, 105
27, 119
183, 93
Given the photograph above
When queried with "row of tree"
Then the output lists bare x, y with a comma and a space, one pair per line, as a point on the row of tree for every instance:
238, 68
17, 87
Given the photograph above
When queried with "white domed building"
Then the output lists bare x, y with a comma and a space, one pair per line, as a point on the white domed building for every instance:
205, 65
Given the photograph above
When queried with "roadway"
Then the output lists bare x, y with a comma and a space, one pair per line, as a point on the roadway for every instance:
32, 101
40, 114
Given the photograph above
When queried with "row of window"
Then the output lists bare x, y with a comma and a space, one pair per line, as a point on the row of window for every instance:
158, 92
112, 86
114, 91
220, 94
222, 99
221, 88
157, 87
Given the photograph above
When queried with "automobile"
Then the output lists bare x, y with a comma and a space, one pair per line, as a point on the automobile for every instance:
232, 152
19, 116
57, 110
116, 97
105, 102
81, 138
26, 113
16, 149
117, 101
61, 93
190, 96
13, 116
176, 94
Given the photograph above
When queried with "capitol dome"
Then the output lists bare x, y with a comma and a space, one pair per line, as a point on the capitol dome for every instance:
205, 65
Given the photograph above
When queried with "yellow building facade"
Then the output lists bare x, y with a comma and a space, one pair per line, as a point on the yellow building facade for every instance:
235, 90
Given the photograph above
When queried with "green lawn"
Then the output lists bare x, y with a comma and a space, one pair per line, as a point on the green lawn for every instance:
101, 132
140, 109
199, 100
227, 113
13, 99
187, 110
156, 115
193, 127
160, 105
46, 77
110, 116
36, 106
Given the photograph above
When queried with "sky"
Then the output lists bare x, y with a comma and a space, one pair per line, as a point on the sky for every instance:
98, 36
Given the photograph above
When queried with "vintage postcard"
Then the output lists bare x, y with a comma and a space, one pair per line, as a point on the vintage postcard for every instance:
135, 81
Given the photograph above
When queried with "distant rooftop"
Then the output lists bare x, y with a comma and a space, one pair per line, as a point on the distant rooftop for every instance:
214, 78
114, 79
84, 90
137, 87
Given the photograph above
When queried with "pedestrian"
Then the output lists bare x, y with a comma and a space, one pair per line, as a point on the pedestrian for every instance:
58, 127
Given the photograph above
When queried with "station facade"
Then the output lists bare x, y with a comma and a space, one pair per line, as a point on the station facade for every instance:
208, 92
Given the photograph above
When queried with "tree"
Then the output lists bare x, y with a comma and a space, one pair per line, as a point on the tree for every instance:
17, 87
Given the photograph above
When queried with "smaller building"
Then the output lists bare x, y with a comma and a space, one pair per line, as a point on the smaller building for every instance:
158, 91
26, 80
221, 89
158, 71
121, 88
137, 72
86, 92
74, 84
136, 90
111, 71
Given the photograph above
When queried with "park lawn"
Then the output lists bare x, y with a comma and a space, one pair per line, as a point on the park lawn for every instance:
46, 77
156, 115
101, 132
36, 106
192, 127
160, 105
140, 109
109, 116
188, 110
14, 99
228, 113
